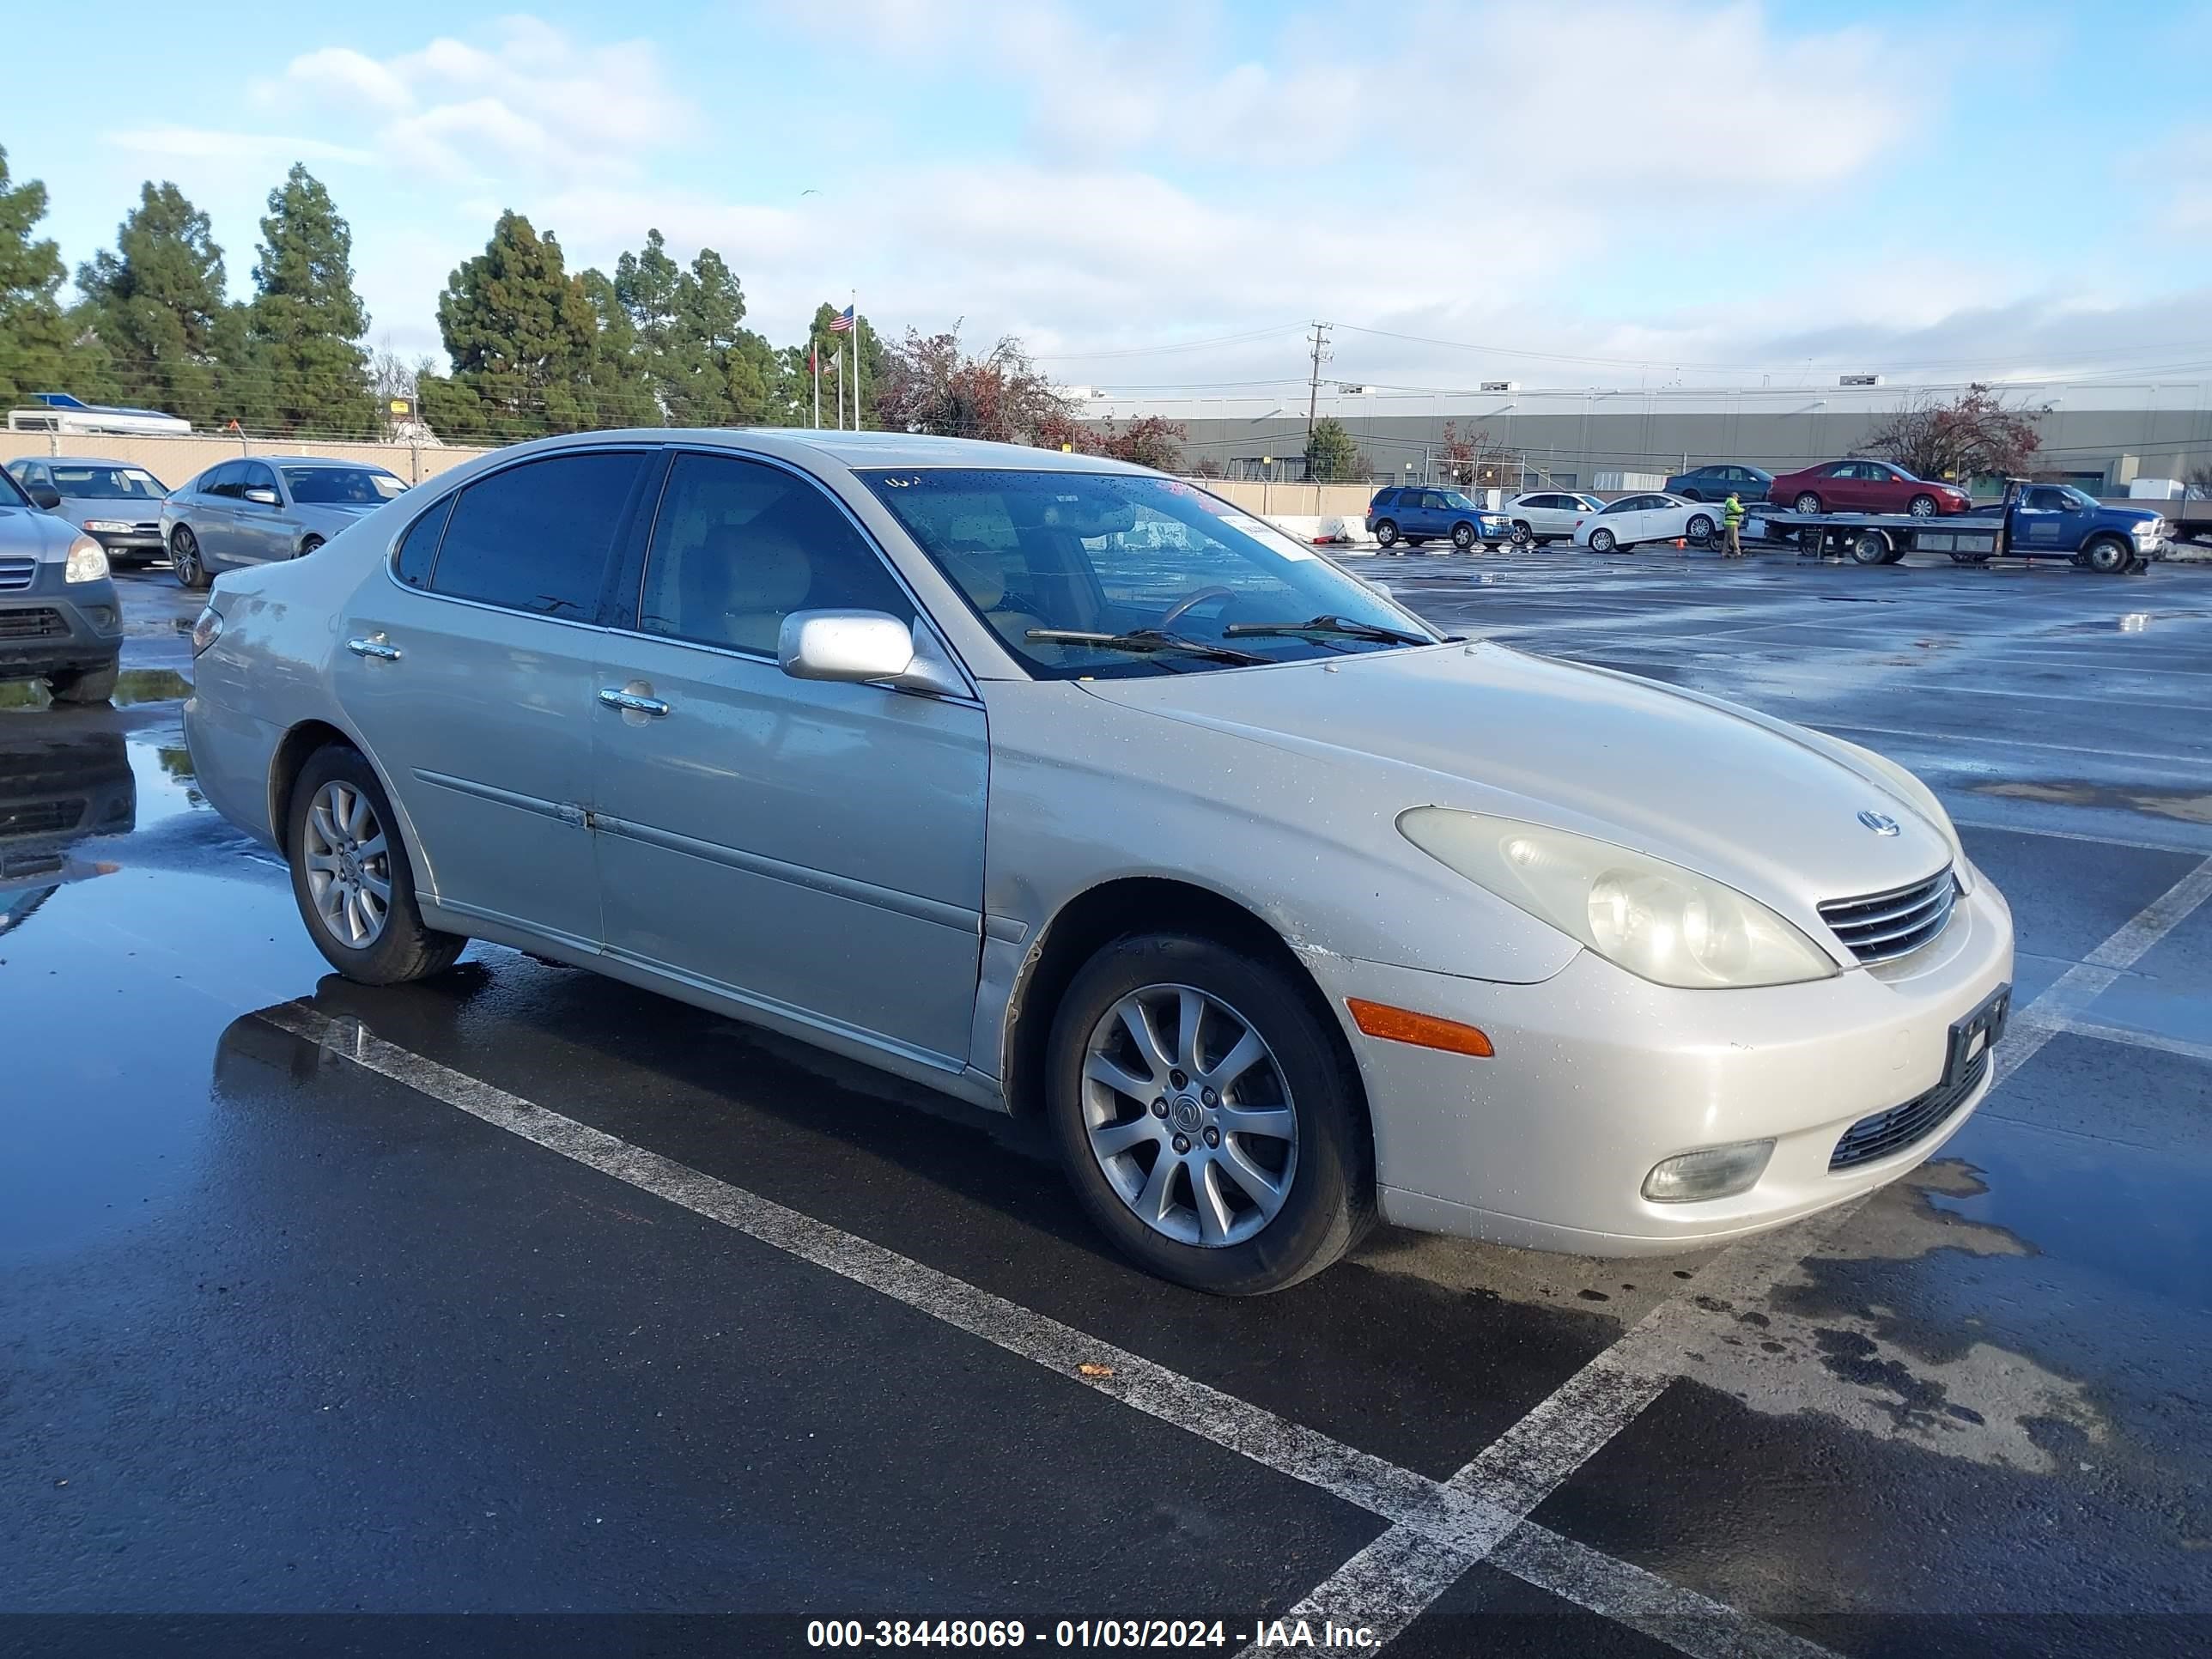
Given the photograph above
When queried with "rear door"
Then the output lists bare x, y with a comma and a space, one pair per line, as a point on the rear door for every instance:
471, 670
816, 848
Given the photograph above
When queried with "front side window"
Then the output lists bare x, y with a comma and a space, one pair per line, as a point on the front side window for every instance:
106, 483
1153, 564
739, 545
342, 486
538, 537
256, 476
1459, 503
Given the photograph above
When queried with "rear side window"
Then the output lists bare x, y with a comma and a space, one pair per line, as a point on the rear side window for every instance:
418, 547
538, 537
224, 481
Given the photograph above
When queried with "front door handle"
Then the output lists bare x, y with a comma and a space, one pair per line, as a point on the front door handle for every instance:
630, 702
374, 646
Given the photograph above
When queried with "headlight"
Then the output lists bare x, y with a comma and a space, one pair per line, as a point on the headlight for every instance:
113, 526
1659, 921
86, 563
1921, 800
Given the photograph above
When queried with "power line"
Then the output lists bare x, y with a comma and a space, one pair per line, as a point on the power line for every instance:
1149, 351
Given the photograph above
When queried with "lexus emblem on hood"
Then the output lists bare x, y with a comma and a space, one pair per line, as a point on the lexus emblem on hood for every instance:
1881, 823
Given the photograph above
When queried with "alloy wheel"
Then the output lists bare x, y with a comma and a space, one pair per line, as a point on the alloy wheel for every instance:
1922, 507
1188, 1115
348, 865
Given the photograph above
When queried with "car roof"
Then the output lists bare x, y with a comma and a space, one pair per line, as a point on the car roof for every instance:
81, 460
317, 460
857, 450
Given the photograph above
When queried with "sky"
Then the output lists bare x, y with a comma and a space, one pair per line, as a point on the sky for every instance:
1165, 194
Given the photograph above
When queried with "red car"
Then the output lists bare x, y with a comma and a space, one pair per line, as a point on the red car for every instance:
1864, 486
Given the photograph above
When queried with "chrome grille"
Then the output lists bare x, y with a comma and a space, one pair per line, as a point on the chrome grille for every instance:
17, 572
1893, 1131
1882, 926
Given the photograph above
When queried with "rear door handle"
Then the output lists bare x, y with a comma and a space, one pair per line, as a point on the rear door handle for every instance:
630, 702
374, 646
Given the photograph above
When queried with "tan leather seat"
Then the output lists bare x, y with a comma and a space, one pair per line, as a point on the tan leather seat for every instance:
750, 577
983, 579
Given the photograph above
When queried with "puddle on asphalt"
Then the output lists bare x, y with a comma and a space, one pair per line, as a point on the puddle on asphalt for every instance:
2191, 807
133, 686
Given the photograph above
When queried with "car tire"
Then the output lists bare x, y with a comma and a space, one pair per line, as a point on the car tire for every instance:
1698, 529
401, 947
1921, 507
1807, 502
1603, 541
1689, 495
308, 546
1462, 537
86, 685
1327, 1200
1524, 536
2108, 555
1871, 547
1385, 533
185, 559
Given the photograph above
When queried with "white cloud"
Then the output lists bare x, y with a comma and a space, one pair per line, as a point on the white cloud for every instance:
205, 144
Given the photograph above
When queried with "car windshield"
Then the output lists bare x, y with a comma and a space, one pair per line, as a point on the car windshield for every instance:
341, 486
11, 491
106, 484
1149, 562
2076, 498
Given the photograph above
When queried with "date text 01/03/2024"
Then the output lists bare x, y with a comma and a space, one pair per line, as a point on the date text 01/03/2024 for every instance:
1124, 1634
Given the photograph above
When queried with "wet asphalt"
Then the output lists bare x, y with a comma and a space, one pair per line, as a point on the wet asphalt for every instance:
287, 1347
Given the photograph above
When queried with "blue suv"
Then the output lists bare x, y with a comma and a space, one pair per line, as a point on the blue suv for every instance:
1415, 516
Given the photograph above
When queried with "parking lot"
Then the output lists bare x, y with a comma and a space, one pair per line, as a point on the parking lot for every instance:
521, 1292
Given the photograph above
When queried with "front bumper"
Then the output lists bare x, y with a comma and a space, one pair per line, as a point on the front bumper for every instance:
140, 541
1598, 1076
55, 626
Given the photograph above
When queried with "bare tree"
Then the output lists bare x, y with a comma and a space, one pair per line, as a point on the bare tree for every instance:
1976, 433
1471, 460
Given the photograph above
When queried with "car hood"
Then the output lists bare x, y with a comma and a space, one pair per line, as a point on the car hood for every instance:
1767, 807
41, 535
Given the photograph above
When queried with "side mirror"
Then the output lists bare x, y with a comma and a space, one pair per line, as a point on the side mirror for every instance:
262, 497
43, 495
866, 648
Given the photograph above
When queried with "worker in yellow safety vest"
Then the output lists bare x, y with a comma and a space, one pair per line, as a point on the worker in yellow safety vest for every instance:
1732, 523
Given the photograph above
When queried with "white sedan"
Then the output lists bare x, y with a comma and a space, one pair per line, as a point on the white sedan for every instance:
1549, 516
1655, 518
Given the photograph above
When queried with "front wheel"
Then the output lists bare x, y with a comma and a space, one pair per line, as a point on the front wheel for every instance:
1603, 541
350, 875
86, 684
1523, 536
1462, 537
1807, 502
185, 559
2108, 555
1206, 1116
1922, 507
1699, 529
1385, 533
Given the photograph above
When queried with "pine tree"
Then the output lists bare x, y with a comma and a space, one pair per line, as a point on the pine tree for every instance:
305, 321
616, 389
521, 336
733, 370
35, 350
1331, 454
648, 284
156, 304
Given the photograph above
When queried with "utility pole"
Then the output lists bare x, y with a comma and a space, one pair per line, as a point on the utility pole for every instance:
1320, 355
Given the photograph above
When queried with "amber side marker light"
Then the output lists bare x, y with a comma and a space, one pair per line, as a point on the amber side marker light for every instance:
1380, 1019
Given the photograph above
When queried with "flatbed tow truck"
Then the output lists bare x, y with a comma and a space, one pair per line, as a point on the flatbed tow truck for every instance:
2032, 521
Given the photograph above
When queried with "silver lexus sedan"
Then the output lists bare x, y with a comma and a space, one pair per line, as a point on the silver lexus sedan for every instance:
1072, 789
258, 509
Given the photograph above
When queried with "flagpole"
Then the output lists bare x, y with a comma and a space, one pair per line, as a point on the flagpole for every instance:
840, 385
814, 363
855, 295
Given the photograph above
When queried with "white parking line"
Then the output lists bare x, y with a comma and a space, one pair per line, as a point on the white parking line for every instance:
1438, 1529
1524, 1466
2135, 1039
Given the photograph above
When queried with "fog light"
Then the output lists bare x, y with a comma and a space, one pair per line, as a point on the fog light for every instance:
1716, 1172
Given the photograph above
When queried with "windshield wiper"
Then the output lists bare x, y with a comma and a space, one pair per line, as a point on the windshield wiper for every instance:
1342, 626
1146, 639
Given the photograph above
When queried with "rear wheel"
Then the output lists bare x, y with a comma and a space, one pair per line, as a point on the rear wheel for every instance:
309, 546
1385, 533
1872, 547
185, 558
1206, 1116
2109, 555
86, 685
350, 875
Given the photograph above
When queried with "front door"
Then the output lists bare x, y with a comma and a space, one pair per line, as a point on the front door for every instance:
815, 848
260, 531
2045, 519
473, 679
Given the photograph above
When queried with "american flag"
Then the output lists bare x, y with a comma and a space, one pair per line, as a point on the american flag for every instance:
843, 322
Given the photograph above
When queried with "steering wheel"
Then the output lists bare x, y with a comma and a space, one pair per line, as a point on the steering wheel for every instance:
1190, 602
